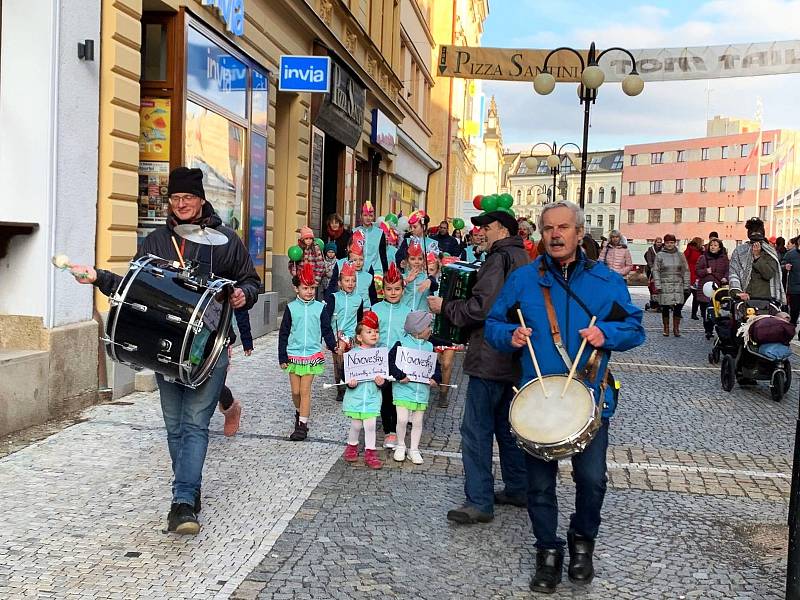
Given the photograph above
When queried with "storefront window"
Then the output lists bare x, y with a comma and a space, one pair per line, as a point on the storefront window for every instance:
260, 101
214, 74
216, 145
258, 188
154, 52
403, 198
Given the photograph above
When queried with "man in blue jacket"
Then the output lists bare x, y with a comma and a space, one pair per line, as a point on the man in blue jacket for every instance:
580, 288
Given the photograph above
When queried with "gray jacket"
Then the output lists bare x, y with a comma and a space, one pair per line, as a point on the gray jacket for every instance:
482, 360
671, 276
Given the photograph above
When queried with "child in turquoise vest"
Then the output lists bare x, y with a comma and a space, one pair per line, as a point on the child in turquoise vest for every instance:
362, 400
417, 282
392, 313
411, 398
364, 280
343, 311
374, 241
300, 349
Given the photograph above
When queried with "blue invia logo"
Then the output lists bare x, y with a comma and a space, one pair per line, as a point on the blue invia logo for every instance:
231, 12
305, 74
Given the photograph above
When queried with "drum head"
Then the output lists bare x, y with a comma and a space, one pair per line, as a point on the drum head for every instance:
214, 317
551, 419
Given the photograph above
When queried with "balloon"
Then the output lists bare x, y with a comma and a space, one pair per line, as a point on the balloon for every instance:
391, 218
320, 243
489, 203
505, 200
508, 211
402, 224
295, 253
458, 223
708, 289
476, 202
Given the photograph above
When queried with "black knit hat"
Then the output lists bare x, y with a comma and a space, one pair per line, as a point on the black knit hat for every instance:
186, 181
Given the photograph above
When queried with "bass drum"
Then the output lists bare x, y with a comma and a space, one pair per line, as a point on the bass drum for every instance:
166, 319
551, 427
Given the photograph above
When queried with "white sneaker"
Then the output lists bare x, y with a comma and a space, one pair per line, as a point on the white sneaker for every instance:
399, 453
415, 457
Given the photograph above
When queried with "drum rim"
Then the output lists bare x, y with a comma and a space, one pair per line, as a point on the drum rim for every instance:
185, 376
128, 280
594, 418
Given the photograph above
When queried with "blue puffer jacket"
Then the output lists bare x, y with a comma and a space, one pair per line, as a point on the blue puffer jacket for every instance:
602, 291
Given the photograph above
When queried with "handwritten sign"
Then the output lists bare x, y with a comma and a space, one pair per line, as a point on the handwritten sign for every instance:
366, 365
419, 365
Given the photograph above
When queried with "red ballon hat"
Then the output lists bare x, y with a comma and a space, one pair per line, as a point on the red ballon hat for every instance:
348, 270
392, 275
414, 249
306, 275
370, 319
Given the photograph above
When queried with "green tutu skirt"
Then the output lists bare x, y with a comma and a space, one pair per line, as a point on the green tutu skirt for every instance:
410, 405
360, 416
303, 370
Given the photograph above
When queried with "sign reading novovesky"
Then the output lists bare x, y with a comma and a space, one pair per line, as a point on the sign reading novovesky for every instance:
366, 365
653, 64
418, 365
305, 74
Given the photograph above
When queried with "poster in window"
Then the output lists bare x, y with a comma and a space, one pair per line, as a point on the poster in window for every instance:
153, 195
216, 146
154, 120
258, 188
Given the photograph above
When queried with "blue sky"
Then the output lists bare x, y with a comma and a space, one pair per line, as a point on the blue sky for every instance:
665, 110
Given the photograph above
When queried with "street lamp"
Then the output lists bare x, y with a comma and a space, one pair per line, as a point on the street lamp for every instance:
554, 161
592, 77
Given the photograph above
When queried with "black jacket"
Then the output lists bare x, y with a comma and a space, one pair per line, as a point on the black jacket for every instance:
342, 242
482, 360
230, 260
448, 244
243, 322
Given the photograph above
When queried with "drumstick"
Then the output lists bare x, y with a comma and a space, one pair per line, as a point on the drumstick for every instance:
330, 385
533, 354
178, 250
577, 360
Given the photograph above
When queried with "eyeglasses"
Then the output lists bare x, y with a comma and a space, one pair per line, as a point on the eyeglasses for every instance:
186, 198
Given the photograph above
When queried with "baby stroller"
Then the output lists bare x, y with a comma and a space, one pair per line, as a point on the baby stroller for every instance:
746, 362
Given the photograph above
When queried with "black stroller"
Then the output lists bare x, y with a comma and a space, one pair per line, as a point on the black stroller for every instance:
741, 362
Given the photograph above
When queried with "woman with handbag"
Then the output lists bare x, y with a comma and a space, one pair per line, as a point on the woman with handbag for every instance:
671, 278
711, 266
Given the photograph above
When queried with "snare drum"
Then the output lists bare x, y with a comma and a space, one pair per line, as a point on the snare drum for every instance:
169, 320
552, 427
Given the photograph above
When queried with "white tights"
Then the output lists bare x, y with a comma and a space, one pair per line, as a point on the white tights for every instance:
369, 432
403, 417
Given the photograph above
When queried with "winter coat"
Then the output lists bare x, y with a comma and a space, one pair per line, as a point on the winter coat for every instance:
482, 360
311, 255
719, 272
342, 242
671, 277
617, 258
603, 292
448, 243
766, 282
792, 257
230, 260
692, 255
374, 248
650, 258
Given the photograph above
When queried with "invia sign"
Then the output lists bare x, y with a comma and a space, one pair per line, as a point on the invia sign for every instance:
231, 12
305, 74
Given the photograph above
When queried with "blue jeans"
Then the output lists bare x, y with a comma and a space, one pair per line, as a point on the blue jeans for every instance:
589, 474
187, 413
485, 417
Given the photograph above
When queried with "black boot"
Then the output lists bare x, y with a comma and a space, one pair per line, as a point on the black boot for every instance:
581, 549
548, 571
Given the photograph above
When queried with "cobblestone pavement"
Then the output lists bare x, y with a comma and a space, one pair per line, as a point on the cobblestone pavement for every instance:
699, 482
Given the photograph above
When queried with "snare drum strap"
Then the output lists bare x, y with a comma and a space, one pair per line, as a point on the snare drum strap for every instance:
554, 330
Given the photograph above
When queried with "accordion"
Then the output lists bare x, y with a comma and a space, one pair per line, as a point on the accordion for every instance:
456, 284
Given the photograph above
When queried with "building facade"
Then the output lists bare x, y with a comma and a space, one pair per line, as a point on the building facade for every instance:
694, 186
530, 182
488, 153
452, 111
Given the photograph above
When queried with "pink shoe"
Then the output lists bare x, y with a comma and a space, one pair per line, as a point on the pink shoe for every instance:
232, 418
371, 459
351, 453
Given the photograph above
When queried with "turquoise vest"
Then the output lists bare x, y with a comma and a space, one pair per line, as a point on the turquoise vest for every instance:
372, 243
363, 281
415, 299
364, 398
429, 245
391, 253
306, 334
412, 391
345, 312
392, 320
470, 254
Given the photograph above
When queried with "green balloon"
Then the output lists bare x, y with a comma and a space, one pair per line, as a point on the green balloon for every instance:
391, 218
295, 253
505, 201
489, 203
320, 243
458, 223
507, 210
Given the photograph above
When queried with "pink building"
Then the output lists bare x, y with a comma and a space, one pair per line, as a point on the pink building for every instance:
695, 186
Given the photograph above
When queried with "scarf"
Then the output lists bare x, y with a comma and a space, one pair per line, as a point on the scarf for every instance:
335, 234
